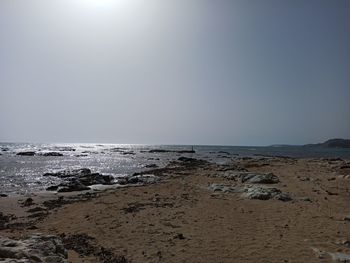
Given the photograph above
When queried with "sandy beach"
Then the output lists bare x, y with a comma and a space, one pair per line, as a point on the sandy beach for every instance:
200, 212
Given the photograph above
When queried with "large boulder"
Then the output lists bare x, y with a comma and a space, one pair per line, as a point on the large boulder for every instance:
37, 248
265, 193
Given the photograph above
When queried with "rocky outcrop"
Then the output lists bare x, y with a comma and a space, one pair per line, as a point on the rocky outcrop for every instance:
79, 180
37, 248
252, 191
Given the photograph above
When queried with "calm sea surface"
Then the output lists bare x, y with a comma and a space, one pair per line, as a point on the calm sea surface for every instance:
22, 174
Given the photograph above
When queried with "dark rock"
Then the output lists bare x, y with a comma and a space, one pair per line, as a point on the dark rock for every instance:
36, 209
4, 220
3, 195
28, 202
283, 197
52, 154
52, 188
79, 180
140, 179
179, 236
151, 166
66, 149
73, 187
223, 152
26, 153
128, 153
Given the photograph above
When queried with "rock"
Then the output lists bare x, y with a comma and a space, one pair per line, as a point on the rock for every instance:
179, 236
249, 177
4, 219
127, 153
265, 193
345, 243
96, 178
74, 186
346, 218
26, 153
283, 197
52, 188
319, 253
51, 154
340, 257
3, 195
79, 180
28, 202
37, 248
140, 179
305, 199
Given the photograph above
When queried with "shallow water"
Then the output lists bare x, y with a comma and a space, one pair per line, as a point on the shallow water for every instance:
22, 174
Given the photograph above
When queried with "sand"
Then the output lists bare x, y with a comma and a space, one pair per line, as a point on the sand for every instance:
180, 219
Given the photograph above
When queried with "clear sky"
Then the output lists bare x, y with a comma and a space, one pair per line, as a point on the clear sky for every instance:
235, 72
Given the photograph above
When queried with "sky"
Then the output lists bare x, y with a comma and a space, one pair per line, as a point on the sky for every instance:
229, 72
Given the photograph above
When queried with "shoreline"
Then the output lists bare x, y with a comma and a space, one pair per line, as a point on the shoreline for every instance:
201, 212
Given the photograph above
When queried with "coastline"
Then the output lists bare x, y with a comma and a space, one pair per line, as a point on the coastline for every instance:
199, 212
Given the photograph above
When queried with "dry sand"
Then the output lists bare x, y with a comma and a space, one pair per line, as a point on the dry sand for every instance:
181, 220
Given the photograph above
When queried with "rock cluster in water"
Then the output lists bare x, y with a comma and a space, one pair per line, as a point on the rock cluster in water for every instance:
82, 179
79, 180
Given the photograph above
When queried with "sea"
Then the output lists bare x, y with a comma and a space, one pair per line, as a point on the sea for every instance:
24, 174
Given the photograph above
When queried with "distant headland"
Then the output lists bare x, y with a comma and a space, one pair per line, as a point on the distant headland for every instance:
332, 143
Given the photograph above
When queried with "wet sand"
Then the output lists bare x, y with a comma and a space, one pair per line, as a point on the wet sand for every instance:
180, 219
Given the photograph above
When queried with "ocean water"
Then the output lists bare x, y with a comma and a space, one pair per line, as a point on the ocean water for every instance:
23, 174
